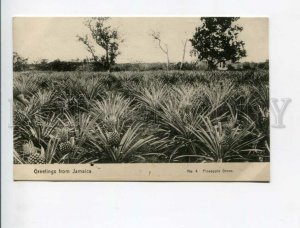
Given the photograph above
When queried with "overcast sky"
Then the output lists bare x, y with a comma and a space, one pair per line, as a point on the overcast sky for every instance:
55, 38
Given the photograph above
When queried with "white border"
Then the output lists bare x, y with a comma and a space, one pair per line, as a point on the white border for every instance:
277, 204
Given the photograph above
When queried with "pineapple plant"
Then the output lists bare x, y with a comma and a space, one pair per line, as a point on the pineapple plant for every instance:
22, 99
64, 135
34, 157
228, 129
182, 118
109, 143
227, 136
110, 124
28, 148
17, 158
114, 138
67, 146
104, 127
16, 161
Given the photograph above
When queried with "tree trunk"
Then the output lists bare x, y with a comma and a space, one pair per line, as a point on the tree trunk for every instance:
183, 55
107, 61
211, 65
168, 61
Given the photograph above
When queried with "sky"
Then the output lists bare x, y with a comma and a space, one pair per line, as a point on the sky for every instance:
53, 38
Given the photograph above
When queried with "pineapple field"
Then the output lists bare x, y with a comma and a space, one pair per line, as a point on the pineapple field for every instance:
141, 117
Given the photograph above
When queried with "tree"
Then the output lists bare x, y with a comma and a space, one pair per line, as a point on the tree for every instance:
163, 46
106, 37
184, 43
19, 63
216, 41
43, 64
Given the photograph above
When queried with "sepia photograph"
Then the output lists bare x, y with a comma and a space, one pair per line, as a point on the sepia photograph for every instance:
141, 98
139, 113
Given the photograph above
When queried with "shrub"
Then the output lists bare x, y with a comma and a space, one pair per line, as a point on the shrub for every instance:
19, 63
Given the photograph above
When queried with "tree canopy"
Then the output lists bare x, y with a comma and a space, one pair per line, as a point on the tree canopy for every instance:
216, 41
106, 37
19, 63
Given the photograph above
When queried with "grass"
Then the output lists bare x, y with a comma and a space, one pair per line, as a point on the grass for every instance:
150, 116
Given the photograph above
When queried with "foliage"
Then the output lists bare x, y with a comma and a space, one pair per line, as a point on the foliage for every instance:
150, 116
90, 66
106, 37
216, 41
249, 66
19, 63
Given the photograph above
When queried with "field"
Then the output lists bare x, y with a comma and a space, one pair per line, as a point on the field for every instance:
141, 117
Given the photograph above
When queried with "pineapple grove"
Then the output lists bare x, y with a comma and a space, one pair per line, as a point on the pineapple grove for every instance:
141, 117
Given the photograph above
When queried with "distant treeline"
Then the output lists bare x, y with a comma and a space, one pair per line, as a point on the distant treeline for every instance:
58, 65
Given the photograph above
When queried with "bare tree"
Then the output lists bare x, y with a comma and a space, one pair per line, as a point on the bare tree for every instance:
89, 47
163, 46
184, 43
